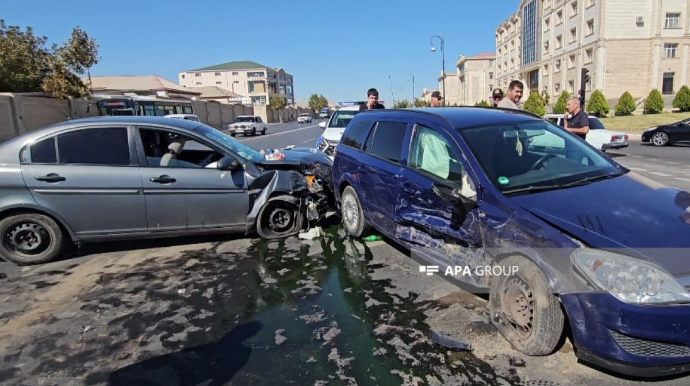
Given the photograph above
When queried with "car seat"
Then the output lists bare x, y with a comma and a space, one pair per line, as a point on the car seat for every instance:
174, 150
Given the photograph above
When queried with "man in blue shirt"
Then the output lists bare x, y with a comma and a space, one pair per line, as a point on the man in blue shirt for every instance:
575, 119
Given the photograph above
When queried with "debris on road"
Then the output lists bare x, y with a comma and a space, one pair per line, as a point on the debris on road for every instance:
280, 339
311, 234
449, 342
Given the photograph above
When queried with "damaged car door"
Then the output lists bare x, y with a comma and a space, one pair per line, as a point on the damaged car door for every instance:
437, 212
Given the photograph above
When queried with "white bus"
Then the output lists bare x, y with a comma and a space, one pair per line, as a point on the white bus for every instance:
126, 105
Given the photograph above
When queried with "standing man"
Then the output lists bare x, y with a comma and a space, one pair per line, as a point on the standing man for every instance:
497, 96
436, 99
372, 101
578, 123
513, 96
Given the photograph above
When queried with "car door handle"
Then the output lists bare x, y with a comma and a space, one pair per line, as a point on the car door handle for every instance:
164, 179
51, 177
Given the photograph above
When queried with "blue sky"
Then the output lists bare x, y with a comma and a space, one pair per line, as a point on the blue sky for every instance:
338, 49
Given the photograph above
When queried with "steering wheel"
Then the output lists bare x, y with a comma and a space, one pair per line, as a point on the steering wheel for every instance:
541, 161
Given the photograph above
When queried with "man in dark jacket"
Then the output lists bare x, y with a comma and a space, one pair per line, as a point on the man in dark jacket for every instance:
372, 101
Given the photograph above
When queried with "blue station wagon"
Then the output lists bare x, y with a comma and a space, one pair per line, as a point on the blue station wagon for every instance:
567, 233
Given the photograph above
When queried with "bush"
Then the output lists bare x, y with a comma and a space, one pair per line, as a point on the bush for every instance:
682, 99
654, 104
482, 103
559, 108
625, 105
597, 104
535, 104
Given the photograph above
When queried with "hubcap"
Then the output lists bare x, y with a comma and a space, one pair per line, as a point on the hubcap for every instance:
27, 237
518, 306
659, 139
350, 212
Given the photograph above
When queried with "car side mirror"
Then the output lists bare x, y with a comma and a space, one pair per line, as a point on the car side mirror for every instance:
322, 125
453, 196
228, 163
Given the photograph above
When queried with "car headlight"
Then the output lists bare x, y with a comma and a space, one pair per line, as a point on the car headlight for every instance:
629, 279
323, 145
651, 128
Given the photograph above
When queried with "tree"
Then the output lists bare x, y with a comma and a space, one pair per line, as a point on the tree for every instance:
483, 103
625, 105
682, 99
276, 102
26, 65
559, 108
420, 103
317, 102
402, 104
654, 104
535, 104
597, 104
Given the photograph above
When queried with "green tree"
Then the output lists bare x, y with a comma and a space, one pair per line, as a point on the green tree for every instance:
597, 104
682, 99
420, 103
654, 104
559, 108
402, 104
625, 105
276, 102
535, 104
317, 102
26, 65
483, 103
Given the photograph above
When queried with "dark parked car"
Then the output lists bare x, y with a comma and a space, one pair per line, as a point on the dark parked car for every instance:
133, 177
668, 134
553, 232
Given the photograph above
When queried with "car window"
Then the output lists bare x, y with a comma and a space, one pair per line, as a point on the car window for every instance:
169, 149
244, 119
97, 146
431, 153
386, 141
595, 124
44, 152
341, 118
258, 120
356, 135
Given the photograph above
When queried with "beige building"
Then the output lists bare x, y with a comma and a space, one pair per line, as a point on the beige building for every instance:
151, 86
476, 78
220, 95
625, 45
253, 81
453, 93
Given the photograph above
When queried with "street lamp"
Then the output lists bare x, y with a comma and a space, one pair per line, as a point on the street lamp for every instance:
443, 61
413, 97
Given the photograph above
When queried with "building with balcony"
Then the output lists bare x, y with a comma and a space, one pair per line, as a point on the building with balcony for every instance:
476, 78
254, 82
633, 46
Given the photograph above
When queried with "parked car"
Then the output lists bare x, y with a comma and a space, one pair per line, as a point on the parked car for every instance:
189, 117
324, 113
668, 134
334, 127
247, 124
304, 118
598, 135
125, 177
565, 232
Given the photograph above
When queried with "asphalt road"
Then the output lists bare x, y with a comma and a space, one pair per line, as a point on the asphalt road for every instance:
669, 165
285, 134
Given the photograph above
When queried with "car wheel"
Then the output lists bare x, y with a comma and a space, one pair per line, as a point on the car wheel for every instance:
279, 217
253, 131
660, 139
233, 134
263, 132
30, 238
352, 214
524, 308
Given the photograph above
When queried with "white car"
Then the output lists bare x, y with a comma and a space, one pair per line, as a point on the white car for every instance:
334, 127
247, 124
304, 118
598, 135
188, 117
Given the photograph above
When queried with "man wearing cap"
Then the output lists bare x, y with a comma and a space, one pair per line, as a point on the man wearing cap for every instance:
497, 96
436, 99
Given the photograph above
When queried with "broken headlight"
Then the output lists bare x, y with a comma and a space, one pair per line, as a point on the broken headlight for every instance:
323, 145
629, 279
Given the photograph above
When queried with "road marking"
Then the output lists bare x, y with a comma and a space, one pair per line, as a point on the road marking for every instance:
682, 179
282, 132
660, 174
309, 140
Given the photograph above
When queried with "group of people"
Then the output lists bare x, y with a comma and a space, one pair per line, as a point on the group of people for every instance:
373, 100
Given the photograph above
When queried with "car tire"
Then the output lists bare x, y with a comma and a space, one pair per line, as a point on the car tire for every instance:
263, 132
45, 239
279, 217
352, 214
659, 139
233, 134
524, 308
253, 131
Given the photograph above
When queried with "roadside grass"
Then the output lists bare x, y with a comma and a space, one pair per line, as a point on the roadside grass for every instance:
639, 123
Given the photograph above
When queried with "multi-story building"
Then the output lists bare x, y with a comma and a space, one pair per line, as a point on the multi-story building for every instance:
453, 94
633, 46
476, 76
246, 78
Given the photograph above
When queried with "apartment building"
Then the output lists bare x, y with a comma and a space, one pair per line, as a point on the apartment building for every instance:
476, 78
252, 81
626, 45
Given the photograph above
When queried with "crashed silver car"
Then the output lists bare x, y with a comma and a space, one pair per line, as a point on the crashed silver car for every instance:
127, 177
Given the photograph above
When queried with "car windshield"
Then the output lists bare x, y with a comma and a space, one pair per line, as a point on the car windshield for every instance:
304, 115
534, 156
595, 124
244, 119
229, 143
341, 118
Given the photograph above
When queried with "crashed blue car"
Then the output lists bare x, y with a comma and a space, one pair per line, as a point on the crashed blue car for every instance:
554, 233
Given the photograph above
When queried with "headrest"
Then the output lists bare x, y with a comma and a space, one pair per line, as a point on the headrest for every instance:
176, 146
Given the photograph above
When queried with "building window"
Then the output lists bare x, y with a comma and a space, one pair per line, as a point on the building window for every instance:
558, 64
590, 27
573, 8
197, 75
589, 53
217, 73
571, 86
559, 41
667, 85
182, 76
219, 82
235, 73
236, 82
256, 74
546, 46
546, 68
557, 88
590, 3
491, 75
670, 50
571, 61
529, 32
672, 20
546, 24
559, 17
573, 34
491, 63
198, 83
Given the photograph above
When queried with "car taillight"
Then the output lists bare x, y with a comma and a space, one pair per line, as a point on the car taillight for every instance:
613, 138
625, 137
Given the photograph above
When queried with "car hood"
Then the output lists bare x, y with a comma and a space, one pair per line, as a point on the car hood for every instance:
333, 134
630, 213
306, 160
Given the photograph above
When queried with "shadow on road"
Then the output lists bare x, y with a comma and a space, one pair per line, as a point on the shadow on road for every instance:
210, 364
